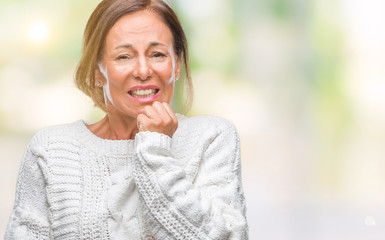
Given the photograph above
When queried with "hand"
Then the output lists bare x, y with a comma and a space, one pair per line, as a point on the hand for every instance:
158, 118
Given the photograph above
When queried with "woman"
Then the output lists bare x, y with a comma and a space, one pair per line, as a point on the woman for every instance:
142, 172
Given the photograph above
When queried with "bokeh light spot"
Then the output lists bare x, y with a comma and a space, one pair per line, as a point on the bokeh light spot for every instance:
38, 32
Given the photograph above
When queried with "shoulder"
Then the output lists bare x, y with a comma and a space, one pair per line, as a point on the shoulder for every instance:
212, 138
206, 129
43, 137
65, 130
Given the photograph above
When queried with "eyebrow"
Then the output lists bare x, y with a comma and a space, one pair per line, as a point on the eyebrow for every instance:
124, 46
152, 44
128, 45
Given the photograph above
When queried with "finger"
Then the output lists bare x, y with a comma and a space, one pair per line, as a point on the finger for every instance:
163, 113
171, 115
150, 112
142, 122
169, 110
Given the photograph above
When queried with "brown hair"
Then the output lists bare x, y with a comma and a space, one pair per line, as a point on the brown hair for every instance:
102, 19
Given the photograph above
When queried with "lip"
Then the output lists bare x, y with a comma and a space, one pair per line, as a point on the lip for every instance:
143, 87
146, 99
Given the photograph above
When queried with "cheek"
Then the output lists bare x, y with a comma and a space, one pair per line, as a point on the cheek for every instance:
168, 93
117, 76
166, 71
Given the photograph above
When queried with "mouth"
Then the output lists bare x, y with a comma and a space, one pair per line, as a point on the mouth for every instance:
143, 93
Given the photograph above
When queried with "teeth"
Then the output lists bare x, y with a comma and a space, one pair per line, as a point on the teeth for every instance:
143, 92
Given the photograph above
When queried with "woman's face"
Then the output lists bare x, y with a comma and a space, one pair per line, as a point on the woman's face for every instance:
138, 64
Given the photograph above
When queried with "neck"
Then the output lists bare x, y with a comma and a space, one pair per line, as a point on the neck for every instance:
115, 128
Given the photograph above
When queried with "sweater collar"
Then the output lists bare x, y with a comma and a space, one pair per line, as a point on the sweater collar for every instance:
100, 145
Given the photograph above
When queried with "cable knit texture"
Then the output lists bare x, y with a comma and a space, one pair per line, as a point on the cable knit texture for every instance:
75, 185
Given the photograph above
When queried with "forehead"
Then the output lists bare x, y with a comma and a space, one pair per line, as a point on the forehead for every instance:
140, 26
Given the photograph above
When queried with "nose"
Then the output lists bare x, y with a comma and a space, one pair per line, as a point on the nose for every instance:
142, 69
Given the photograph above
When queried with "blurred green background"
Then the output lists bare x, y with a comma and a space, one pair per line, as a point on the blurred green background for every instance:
303, 81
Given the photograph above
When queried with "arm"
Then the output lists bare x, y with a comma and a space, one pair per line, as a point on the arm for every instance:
29, 218
211, 206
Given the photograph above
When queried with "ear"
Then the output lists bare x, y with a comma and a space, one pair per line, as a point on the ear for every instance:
177, 67
99, 76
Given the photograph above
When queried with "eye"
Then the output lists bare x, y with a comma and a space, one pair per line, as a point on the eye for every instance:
123, 57
158, 55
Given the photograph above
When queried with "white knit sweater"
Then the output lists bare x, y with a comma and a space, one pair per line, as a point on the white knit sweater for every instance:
75, 185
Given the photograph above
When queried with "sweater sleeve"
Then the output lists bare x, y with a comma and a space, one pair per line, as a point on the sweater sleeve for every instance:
29, 218
209, 206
